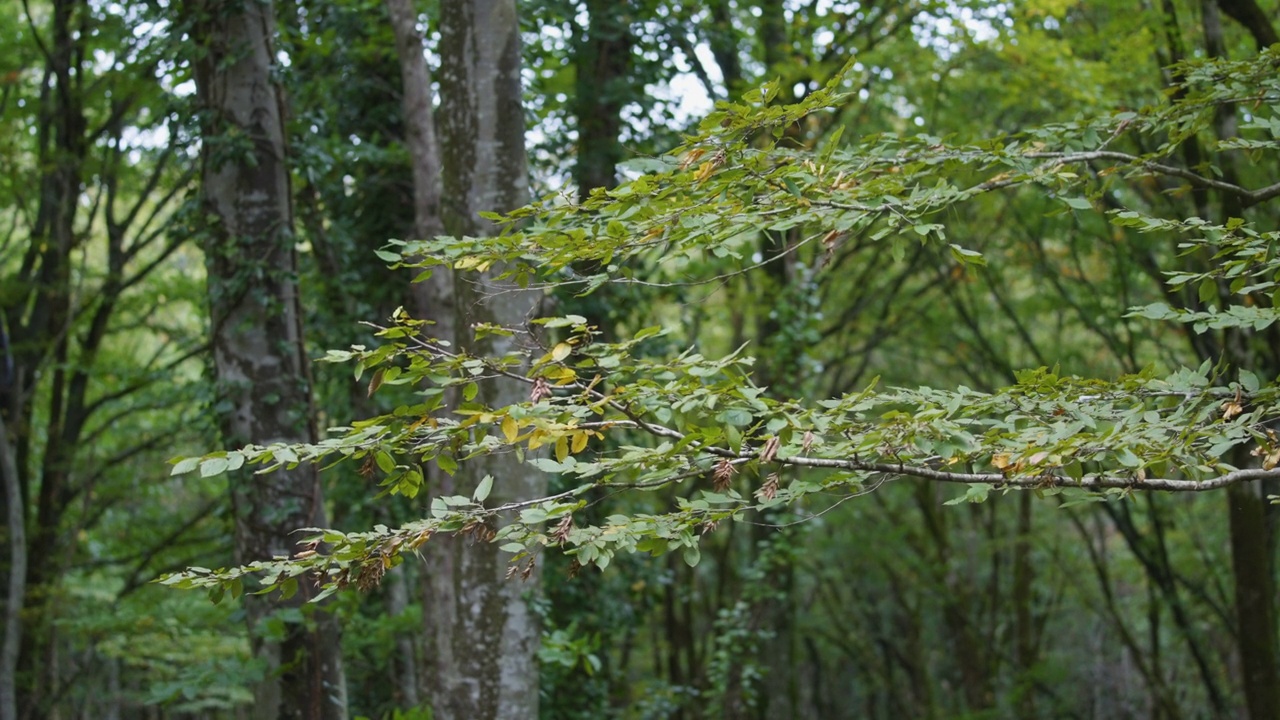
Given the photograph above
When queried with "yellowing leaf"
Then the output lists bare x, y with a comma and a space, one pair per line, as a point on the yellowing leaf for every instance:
561, 351
560, 375
562, 448
691, 157
579, 441
510, 429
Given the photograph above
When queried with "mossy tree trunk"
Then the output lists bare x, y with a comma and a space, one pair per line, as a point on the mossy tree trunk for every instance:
261, 370
484, 637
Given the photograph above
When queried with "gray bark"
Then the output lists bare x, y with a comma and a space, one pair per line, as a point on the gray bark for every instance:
260, 367
17, 540
406, 665
484, 637
433, 298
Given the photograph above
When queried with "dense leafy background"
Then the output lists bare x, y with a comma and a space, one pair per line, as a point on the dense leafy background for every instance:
973, 207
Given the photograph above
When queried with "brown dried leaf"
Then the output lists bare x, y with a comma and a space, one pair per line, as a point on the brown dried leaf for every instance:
370, 575
723, 474
1272, 460
422, 537
1231, 409
540, 391
829, 243
560, 535
769, 490
691, 157
770, 449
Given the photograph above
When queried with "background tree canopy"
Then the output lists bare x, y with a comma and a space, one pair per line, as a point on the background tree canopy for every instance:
729, 359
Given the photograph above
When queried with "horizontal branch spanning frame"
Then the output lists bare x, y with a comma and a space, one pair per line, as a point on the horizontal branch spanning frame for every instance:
1043, 480
1248, 198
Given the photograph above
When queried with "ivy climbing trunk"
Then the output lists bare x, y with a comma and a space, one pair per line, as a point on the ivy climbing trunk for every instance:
261, 371
484, 638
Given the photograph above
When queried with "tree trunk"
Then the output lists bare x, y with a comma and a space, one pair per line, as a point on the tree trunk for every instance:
1024, 634
1255, 600
1251, 542
484, 635
40, 339
15, 536
261, 371
603, 57
433, 297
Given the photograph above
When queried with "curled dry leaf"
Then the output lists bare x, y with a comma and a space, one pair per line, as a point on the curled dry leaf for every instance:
1233, 407
829, 242
770, 449
1230, 409
691, 157
722, 476
540, 391
560, 535
769, 490
371, 572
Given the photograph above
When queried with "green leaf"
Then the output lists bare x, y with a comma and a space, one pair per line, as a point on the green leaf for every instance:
385, 462
185, 465
532, 516
976, 493
1249, 381
736, 417
547, 465
482, 490
1208, 290
967, 256
213, 466
691, 554
447, 463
